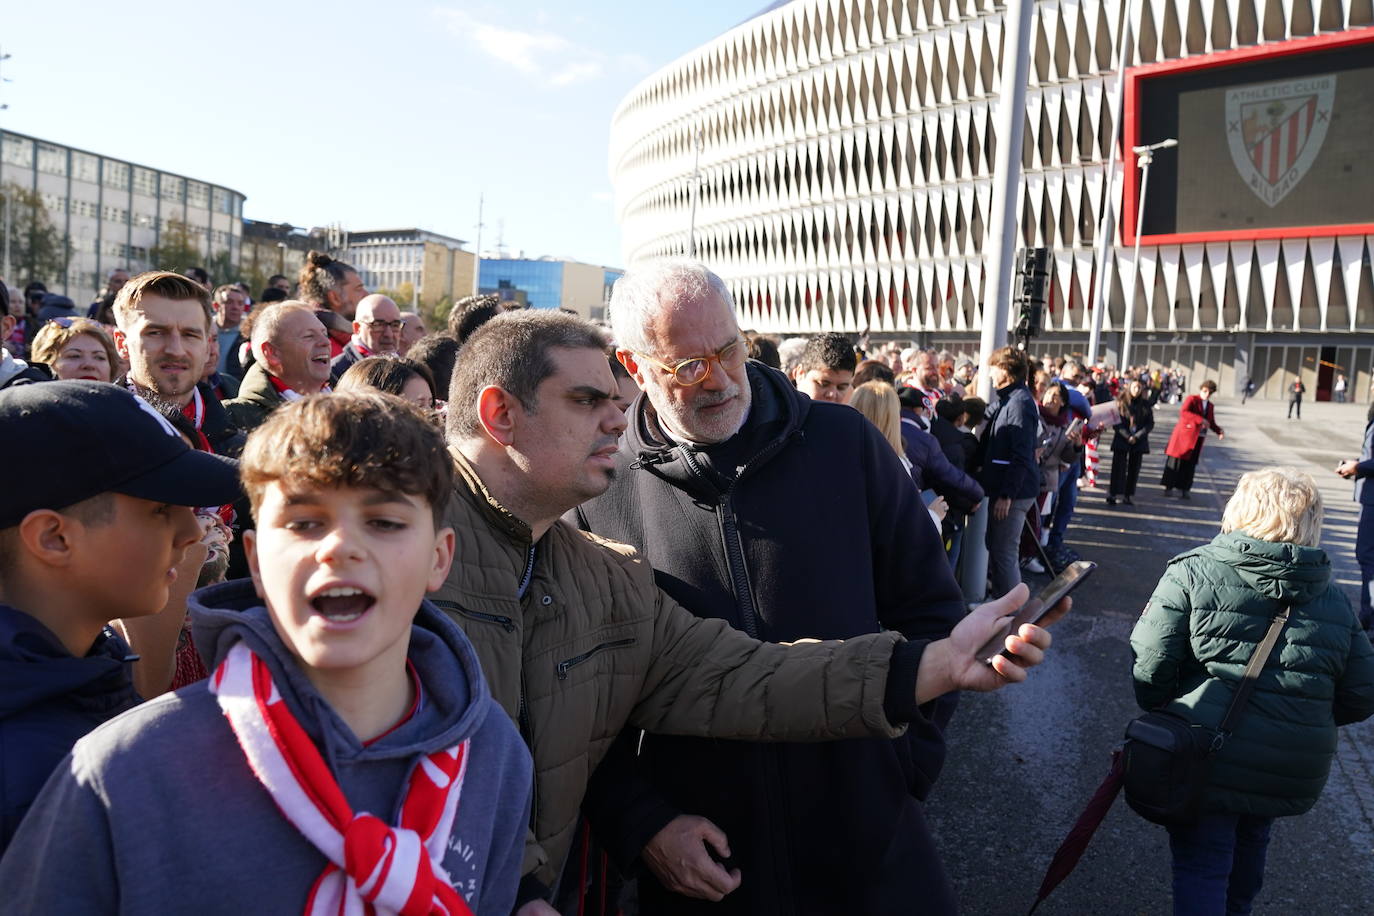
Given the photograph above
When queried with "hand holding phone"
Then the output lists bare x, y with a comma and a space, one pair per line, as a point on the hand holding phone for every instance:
1035, 608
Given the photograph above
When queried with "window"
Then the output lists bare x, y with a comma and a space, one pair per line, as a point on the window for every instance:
52, 159
198, 194
145, 181
85, 167
55, 204
18, 151
221, 200
173, 188
114, 215
84, 208
116, 175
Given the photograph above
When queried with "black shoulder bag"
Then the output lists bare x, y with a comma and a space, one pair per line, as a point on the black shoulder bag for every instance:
1166, 758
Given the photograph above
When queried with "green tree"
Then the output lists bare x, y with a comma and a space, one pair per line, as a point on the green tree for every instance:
222, 269
37, 248
178, 248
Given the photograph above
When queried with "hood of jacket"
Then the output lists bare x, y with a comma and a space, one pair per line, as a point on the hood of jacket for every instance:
455, 694
1285, 572
36, 667
776, 414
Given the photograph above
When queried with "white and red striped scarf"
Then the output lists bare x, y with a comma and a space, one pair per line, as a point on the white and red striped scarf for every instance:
373, 868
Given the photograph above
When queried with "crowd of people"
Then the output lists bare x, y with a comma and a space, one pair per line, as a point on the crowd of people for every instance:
477, 619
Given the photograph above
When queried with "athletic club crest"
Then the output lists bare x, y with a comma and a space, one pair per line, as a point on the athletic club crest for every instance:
1276, 130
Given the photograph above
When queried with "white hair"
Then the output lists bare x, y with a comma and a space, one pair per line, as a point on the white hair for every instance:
790, 353
1279, 504
656, 286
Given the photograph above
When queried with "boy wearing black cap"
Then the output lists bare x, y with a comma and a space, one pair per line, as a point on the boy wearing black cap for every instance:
93, 538
345, 754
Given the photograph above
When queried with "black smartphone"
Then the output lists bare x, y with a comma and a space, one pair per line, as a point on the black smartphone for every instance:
1036, 607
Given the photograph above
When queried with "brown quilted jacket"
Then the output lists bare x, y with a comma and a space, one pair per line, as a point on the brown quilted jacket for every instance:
594, 646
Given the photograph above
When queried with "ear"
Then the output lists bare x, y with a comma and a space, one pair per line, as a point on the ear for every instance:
444, 541
627, 359
357, 328
250, 550
121, 344
50, 537
333, 300
498, 411
270, 358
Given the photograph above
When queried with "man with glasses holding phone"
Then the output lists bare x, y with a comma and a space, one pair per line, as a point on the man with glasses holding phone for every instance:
782, 515
376, 332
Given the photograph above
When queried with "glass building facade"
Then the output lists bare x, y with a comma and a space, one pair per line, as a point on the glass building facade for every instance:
540, 281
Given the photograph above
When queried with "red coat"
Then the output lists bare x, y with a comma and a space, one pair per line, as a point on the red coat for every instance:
1186, 439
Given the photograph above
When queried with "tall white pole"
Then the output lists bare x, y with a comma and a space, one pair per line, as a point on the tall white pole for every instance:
696, 192
999, 248
999, 245
1106, 226
1146, 156
1144, 162
477, 260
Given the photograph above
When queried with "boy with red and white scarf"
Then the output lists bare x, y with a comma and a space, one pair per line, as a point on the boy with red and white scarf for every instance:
345, 755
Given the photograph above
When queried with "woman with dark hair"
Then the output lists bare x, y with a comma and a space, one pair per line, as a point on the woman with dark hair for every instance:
396, 375
1132, 440
1185, 442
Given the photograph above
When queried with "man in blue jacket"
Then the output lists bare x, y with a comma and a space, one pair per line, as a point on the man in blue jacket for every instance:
791, 519
1010, 478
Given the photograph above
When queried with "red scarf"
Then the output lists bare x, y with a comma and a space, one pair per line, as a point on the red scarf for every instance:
373, 868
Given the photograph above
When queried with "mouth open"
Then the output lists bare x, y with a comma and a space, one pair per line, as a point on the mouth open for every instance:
342, 604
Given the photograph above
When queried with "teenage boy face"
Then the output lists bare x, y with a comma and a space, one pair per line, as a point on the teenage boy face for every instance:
343, 570
165, 346
127, 564
834, 385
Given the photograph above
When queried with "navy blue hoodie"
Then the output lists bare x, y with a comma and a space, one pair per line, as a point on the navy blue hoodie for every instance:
158, 811
49, 699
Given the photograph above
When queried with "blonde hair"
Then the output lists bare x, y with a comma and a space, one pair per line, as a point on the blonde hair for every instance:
1279, 504
878, 401
52, 338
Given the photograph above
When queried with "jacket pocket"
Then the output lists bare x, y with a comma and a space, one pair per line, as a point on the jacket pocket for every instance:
568, 663
504, 623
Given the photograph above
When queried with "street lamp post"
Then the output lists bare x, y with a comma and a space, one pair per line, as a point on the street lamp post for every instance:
1144, 156
696, 192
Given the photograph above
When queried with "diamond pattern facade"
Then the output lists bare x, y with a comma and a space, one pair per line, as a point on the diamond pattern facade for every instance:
846, 151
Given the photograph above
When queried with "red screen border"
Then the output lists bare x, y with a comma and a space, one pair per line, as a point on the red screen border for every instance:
1134, 78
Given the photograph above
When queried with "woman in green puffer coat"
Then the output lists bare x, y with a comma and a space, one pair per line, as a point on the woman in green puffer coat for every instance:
1206, 617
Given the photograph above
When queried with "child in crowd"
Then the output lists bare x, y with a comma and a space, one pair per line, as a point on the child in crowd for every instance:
97, 535
335, 691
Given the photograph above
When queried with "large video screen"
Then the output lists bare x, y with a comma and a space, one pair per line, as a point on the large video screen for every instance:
1263, 144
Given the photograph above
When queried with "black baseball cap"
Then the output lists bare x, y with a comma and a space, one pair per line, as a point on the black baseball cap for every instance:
88, 438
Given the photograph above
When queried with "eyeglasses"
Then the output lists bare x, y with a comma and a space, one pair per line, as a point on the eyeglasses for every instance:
393, 325
697, 369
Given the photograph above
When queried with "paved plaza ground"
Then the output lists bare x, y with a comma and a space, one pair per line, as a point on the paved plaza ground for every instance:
1024, 761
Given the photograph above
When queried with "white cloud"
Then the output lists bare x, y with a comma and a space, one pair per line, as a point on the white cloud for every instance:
544, 56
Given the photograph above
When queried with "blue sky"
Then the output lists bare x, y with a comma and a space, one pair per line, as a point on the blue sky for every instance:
375, 115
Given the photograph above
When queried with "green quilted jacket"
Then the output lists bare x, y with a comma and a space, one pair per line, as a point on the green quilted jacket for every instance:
1191, 646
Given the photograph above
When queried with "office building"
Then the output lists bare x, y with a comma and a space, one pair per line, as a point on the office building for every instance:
435, 267
112, 213
549, 283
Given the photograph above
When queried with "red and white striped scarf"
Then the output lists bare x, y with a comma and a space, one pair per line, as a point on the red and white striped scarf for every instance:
373, 868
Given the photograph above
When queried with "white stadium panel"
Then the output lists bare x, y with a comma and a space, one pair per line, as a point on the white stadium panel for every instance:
846, 158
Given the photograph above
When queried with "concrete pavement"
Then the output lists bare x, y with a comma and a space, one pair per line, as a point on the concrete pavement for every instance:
1024, 761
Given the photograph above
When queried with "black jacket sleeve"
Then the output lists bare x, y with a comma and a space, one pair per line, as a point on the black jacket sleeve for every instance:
624, 808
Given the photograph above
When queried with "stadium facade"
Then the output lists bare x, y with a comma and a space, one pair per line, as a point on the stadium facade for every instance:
840, 153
